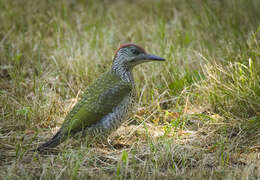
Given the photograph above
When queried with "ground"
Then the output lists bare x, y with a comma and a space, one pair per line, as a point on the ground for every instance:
197, 115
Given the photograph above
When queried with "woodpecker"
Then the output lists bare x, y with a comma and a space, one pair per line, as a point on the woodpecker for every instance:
108, 101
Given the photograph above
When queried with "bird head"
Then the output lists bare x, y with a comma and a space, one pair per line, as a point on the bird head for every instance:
131, 55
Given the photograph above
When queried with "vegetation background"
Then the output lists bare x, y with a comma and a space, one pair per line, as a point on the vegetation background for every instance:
197, 116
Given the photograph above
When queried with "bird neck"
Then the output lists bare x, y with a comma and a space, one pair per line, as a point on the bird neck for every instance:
123, 71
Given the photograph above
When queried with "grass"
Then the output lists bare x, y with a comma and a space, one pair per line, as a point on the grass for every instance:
197, 115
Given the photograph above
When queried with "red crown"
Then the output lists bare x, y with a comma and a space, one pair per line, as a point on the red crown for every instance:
129, 44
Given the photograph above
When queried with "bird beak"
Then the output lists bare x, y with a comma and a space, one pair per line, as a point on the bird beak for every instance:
152, 57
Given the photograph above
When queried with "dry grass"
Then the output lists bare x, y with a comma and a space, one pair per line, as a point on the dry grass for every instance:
197, 116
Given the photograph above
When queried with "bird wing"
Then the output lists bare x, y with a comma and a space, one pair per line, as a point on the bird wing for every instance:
99, 99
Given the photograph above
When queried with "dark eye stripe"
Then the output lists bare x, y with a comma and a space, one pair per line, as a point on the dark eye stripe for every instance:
135, 51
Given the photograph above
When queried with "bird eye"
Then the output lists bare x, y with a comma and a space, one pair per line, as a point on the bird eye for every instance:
134, 51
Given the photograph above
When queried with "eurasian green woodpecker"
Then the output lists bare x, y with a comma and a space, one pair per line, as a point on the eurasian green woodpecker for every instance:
108, 101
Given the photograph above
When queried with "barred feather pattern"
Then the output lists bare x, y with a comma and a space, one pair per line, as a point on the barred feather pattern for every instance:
121, 112
114, 119
106, 103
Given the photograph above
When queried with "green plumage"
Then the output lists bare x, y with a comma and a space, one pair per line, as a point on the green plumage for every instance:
99, 100
108, 101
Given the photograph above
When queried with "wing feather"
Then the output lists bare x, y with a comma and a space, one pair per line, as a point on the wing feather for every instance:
99, 99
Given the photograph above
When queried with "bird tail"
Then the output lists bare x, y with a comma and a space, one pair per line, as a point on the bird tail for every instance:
53, 142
